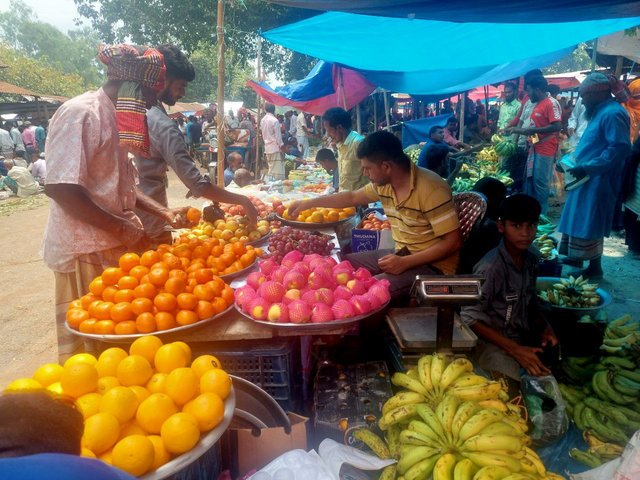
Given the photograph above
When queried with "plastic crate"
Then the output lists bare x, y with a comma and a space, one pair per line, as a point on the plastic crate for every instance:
273, 366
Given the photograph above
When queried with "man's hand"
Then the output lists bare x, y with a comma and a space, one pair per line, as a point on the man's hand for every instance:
578, 172
548, 337
393, 264
507, 130
133, 237
252, 212
527, 357
295, 208
179, 217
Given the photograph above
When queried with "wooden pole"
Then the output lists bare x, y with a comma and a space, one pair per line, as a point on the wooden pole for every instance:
220, 39
594, 55
375, 112
619, 62
462, 107
258, 108
486, 103
358, 119
386, 109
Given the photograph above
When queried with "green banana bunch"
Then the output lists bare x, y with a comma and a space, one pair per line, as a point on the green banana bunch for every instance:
505, 148
589, 459
622, 338
572, 292
546, 245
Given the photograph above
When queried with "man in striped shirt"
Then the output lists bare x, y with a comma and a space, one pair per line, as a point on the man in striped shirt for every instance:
419, 205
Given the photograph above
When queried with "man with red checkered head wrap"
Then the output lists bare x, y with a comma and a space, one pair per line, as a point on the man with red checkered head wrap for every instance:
91, 181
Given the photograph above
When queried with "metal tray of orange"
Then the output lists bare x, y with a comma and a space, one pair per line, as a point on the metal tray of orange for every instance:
295, 223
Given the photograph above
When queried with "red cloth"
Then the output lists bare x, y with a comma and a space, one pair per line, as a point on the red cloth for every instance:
545, 113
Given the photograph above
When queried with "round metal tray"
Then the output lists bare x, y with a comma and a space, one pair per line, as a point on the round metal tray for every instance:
259, 240
204, 444
546, 282
239, 273
305, 225
313, 327
126, 338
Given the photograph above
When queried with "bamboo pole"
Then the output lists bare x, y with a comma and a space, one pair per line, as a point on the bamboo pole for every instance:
594, 54
619, 62
220, 40
358, 119
462, 107
258, 109
386, 110
375, 112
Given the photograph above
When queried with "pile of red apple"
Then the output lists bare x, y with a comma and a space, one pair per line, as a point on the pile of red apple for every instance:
310, 289
263, 208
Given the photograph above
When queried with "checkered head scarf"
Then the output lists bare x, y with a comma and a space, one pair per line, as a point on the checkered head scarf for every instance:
135, 67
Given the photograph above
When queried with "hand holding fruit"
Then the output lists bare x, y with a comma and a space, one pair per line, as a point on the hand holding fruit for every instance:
393, 264
252, 212
295, 208
180, 218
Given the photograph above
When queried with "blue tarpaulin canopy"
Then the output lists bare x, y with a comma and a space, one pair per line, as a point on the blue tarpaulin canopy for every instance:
417, 130
525, 11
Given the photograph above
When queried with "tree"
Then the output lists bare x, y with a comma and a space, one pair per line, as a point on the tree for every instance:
577, 60
190, 23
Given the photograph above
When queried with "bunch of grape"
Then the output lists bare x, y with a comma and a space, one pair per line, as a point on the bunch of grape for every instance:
287, 239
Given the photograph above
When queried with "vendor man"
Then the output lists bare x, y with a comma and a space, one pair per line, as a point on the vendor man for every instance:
436, 137
420, 208
168, 148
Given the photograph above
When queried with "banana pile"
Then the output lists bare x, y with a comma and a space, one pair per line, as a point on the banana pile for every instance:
572, 292
471, 173
607, 406
545, 244
545, 226
622, 337
488, 154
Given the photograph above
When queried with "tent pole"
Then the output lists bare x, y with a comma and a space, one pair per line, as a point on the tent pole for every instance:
258, 109
619, 62
220, 40
461, 134
358, 119
375, 112
386, 110
594, 54
486, 103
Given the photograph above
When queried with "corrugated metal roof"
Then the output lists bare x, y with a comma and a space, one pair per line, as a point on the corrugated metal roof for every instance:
15, 90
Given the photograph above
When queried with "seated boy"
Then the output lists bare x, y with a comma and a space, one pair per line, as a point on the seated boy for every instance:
510, 329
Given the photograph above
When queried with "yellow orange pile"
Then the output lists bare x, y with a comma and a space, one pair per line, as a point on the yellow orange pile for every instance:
232, 229
143, 407
161, 289
321, 215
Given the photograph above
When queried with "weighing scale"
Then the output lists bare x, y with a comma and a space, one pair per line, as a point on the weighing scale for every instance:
433, 326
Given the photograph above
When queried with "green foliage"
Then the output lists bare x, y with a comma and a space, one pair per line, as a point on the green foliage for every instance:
189, 24
579, 59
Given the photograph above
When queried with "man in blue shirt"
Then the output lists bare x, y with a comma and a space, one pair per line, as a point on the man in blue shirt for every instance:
327, 160
436, 137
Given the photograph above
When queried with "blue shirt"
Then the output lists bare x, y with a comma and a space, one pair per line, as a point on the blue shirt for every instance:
58, 466
422, 158
603, 152
228, 176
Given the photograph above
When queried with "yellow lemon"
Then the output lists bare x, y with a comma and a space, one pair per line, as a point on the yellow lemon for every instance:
186, 348
180, 432
141, 392
131, 428
169, 357
208, 410
146, 346
107, 383
154, 410
87, 453
81, 358
78, 379
156, 383
121, 402
161, 456
88, 404
23, 384
108, 361
216, 381
134, 370
106, 457
101, 431
56, 388
181, 385
204, 363
48, 373
133, 454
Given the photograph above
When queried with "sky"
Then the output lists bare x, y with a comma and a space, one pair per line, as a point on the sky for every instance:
59, 13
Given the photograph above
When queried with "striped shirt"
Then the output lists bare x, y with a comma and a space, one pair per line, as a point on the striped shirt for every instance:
424, 217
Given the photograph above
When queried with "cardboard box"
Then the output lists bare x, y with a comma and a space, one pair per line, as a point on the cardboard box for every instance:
249, 451
368, 240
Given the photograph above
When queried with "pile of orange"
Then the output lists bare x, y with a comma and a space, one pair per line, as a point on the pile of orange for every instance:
161, 289
322, 215
141, 408
232, 229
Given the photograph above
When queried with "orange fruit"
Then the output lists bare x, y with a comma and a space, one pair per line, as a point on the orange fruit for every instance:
108, 361
141, 392
154, 410
78, 379
146, 346
85, 452
141, 305
185, 301
204, 275
208, 410
48, 373
205, 363
81, 358
88, 405
121, 312
101, 431
107, 383
156, 383
145, 290
161, 456
158, 276
87, 300
133, 454
77, 303
186, 348
186, 317
23, 385
194, 215
149, 257
177, 273
128, 261
204, 292
88, 326
131, 428
165, 302
171, 260
134, 370
109, 293
103, 311
205, 310
181, 385
227, 294
76, 316
127, 327
216, 381
146, 323
175, 285
169, 357
138, 272
111, 275
105, 327
124, 295
165, 321
128, 282
219, 305
97, 286
106, 457
121, 402
180, 432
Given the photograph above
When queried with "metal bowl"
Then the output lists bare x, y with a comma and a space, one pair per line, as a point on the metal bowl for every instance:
133, 336
259, 240
313, 328
544, 283
204, 444
305, 225
239, 273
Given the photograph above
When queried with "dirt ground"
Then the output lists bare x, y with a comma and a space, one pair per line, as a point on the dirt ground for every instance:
27, 326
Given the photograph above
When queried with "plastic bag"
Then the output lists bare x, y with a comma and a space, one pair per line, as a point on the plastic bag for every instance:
547, 410
626, 467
